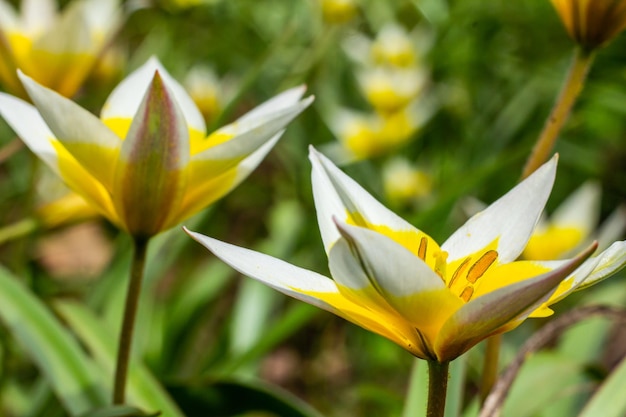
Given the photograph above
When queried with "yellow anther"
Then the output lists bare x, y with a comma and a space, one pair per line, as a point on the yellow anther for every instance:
460, 270
480, 267
421, 251
467, 293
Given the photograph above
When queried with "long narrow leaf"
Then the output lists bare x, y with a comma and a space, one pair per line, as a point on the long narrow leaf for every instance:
610, 400
144, 390
59, 357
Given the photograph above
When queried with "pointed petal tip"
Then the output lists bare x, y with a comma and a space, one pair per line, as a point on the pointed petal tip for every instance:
306, 102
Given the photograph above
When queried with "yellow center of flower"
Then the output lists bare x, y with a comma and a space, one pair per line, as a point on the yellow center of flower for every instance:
553, 243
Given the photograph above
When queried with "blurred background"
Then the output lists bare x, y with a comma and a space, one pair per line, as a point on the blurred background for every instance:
423, 102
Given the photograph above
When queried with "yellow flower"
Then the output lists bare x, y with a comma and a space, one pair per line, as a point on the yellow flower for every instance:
435, 301
394, 46
338, 11
57, 50
390, 89
592, 23
363, 136
146, 164
405, 183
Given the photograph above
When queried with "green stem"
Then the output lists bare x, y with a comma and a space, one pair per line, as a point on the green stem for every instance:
490, 365
128, 323
437, 388
17, 230
570, 91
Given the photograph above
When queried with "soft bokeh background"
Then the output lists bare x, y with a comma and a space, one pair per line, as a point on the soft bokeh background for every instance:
493, 68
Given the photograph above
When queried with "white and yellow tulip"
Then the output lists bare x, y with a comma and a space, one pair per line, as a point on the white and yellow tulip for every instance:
435, 301
147, 163
56, 49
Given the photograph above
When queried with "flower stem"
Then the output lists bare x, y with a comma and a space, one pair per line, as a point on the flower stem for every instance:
437, 388
558, 116
17, 230
128, 322
490, 365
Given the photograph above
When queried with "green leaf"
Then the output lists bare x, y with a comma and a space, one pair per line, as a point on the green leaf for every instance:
555, 374
609, 400
417, 396
59, 357
143, 388
231, 398
119, 411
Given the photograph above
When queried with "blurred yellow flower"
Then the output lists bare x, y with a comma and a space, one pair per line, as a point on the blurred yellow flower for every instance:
592, 23
390, 89
146, 164
393, 46
206, 91
363, 136
65, 210
56, 49
404, 183
338, 11
395, 83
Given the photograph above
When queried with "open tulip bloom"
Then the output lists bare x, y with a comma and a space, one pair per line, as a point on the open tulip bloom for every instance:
435, 301
147, 162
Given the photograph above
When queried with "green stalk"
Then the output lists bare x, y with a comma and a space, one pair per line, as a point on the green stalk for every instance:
17, 230
490, 365
572, 86
128, 322
570, 91
437, 388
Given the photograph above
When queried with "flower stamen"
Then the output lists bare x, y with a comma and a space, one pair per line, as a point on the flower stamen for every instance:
467, 293
459, 271
480, 267
421, 251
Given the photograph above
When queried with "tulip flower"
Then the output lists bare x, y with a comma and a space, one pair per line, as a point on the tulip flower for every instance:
56, 49
146, 164
435, 301
592, 23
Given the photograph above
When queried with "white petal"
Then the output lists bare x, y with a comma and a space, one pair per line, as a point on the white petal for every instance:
8, 16
364, 258
612, 228
26, 121
68, 34
38, 15
609, 262
581, 209
251, 134
375, 270
510, 220
280, 275
337, 195
127, 96
75, 127
102, 15
279, 102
